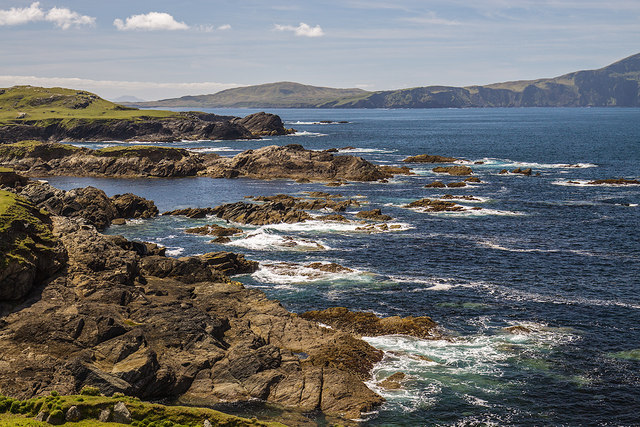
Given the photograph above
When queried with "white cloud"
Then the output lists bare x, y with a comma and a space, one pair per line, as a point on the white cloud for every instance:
19, 16
65, 18
112, 89
61, 17
302, 30
224, 27
150, 22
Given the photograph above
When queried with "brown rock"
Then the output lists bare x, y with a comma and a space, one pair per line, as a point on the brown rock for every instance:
472, 179
457, 170
456, 184
426, 158
214, 230
191, 212
268, 213
517, 330
393, 381
132, 206
374, 215
526, 172
331, 267
368, 324
504, 171
615, 181
435, 205
435, 184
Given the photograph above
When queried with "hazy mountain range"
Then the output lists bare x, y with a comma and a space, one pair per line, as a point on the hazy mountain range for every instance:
616, 85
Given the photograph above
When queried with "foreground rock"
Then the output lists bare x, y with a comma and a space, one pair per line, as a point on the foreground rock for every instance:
88, 203
187, 125
289, 162
268, 213
427, 158
136, 322
370, 325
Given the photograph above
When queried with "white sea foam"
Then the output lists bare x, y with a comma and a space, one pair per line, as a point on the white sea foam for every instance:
469, 212
315, 123
307, 133
290, 273
264, 239
507, 163
340, 227
367, 150
174, 251
213, 149
585, 183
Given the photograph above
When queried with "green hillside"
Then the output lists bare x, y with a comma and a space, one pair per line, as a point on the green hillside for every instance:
271, 95
615, 85
29, 103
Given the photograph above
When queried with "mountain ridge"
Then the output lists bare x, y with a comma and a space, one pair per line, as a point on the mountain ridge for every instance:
617, 84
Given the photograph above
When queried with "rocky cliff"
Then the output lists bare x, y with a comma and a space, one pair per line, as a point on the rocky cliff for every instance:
101, 311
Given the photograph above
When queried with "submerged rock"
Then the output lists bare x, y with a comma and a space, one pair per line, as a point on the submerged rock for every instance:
393, 381
435, 184
368, 324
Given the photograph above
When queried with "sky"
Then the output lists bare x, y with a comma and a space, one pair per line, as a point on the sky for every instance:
162, 49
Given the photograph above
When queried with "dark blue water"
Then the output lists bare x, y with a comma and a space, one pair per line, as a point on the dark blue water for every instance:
546, 252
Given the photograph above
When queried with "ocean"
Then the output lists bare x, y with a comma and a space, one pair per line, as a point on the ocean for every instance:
546, 252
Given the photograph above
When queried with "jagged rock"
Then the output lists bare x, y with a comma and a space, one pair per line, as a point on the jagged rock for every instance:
456, 184
214, 230
121, 414
457, 170
427, 158
131, 206
526, 172
191, 212
263, 124
373, 214
332, 217
55, 418
517, 330
73, 415
318, 202
466, 197
119, 221
435, 205
42, 416
368, 324
397, 170
105, 416
294, 162
504, 171
11, 179
473, 179
615, 181
206, 423
268, 213
435, 184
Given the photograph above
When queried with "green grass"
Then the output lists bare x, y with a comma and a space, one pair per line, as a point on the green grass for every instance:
24, 149
19, 246
149, 151
5, 170
20, 413
20, 104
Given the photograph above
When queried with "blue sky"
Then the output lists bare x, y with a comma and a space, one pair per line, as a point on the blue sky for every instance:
159, 49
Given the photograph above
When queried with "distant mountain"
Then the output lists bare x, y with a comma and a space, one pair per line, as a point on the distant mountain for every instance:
617, 85
128, 98
271, 95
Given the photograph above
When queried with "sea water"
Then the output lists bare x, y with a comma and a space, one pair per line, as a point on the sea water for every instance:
550, 253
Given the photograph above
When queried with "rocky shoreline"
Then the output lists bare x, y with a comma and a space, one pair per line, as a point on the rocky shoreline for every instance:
33, 158
184, 126
79, 308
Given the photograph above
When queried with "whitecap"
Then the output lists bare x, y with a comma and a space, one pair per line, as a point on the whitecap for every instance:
307, 133
367, 150
265, 240
507, 163
293, 273
174, 251
340, 227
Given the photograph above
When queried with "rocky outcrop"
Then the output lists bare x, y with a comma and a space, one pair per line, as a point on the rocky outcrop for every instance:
268, 213
9, 178
29, 252
614, 181
88, 203
191, 212
293, 162
526, 172
457, 170
427, 158
374, 215
319, 201
435, 184
187, 125
434, 205
159, 328
263, 124
370, 325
